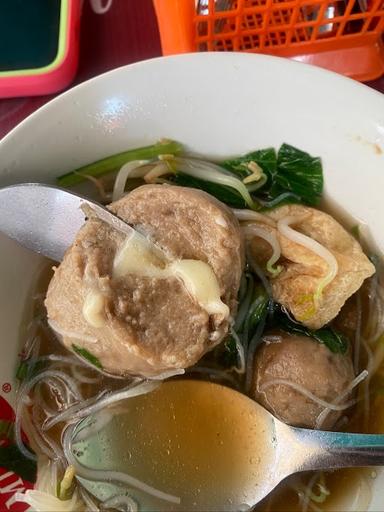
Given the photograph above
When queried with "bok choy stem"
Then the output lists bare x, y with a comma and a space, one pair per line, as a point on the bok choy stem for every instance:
114, 162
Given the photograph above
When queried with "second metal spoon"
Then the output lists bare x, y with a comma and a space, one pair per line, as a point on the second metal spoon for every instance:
207, 446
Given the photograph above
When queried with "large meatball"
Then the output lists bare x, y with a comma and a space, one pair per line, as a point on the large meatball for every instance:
307, 365
147, 324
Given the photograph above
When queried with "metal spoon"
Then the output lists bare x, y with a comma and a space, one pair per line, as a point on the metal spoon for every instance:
46, 219
208, 445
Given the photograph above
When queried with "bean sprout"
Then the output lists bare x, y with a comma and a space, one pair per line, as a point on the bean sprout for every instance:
251, 215
98, 184
208, 171
308, 493
271, 239
283, 226
41, 502
133, 169
158, 170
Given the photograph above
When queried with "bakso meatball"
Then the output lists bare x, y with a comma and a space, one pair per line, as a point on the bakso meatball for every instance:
290, 369
110, 300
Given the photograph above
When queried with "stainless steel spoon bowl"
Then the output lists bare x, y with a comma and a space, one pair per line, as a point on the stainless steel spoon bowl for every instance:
207, 446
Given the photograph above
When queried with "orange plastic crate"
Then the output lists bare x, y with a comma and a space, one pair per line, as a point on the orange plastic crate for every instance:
342, 35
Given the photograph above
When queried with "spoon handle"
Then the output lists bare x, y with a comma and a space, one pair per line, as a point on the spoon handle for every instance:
331, 450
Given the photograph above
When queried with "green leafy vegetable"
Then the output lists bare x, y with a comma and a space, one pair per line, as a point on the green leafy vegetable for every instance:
245, 298
214, 174
333, 340
289, 176
300, 173
251, 312
265, 158
225, 194
291, 170
258, 308
114, 162
229, 355
83, 352
12, 460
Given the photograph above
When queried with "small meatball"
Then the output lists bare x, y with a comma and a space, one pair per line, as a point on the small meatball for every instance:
305, 363
146, 325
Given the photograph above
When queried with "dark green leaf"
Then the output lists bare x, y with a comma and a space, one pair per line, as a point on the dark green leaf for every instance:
229, 356
333, 340
227, 195
265, 158
256, 313
258, 307
298, 172
83, 352
291, 170
12, 460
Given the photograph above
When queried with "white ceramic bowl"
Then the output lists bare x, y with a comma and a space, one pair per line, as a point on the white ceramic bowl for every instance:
217, 104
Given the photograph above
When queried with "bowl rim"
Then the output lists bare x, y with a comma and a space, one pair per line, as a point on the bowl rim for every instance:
359, 87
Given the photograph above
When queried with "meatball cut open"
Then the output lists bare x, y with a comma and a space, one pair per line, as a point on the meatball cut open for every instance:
295, 377
149, 308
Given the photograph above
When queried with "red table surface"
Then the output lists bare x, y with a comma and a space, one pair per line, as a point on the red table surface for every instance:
126, 33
